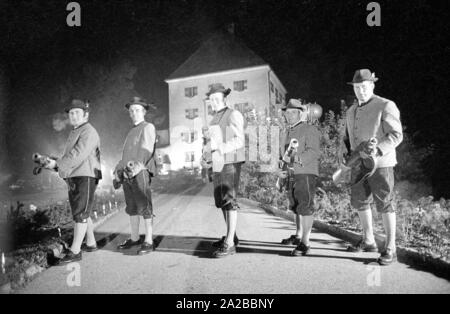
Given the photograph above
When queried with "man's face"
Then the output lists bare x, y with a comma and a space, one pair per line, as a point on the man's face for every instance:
137, 113
364, 90
292, 116
217, 101
77, 116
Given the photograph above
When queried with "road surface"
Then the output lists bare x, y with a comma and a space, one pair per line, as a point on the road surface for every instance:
185, 226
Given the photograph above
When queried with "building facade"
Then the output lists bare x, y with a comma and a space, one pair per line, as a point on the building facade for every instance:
221, 59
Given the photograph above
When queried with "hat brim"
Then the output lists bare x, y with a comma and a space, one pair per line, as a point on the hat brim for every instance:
146, 106
70, 108
296, 108
374, 79
225, 92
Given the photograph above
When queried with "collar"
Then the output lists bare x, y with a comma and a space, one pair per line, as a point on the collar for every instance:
81, 125
365, 103
223, 109
136, 125
296, 125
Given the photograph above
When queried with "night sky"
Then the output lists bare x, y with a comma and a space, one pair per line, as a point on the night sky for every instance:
127, 47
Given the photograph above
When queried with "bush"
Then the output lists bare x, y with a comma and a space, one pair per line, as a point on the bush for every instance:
35, 226
425, 225
35, 231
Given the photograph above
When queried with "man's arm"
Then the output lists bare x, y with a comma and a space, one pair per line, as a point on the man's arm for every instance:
86, 143
148, 139
392, 127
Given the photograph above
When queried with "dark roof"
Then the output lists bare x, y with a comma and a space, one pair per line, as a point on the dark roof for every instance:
221, 52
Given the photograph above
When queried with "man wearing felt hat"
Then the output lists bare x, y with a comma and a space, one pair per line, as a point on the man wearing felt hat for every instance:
228, 123
374, 117
301, 119
80, 168
134, 171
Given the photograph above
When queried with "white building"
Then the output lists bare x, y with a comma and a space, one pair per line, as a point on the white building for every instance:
221, 59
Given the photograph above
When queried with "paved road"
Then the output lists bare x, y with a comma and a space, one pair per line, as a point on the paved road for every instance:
186, 225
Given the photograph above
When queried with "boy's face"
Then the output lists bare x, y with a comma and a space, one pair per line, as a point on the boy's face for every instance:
137, 113
77, 116
217, 101
293, 116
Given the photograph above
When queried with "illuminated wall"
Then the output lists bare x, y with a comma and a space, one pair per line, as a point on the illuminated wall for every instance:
188, 107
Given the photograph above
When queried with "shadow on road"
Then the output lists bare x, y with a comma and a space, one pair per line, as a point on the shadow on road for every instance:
201, 247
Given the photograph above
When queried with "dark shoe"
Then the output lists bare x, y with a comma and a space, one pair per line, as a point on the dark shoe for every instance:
128, 244
89, 249
292, 240
224, 250
70, 257
301, 250
145, 248
361, 246
387, 257
221, 241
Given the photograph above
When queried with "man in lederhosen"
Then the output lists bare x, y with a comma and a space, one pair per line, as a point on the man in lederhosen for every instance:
80, 168
134, 171
379, 118
231, 149
305, 160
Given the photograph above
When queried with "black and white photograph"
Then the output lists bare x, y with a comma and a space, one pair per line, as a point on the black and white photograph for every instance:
224, 153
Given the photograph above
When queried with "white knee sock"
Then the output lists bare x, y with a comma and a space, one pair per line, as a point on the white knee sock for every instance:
148, 223
79, 232
134, 224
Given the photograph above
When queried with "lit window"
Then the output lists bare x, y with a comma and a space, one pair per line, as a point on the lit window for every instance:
189, 137
189, 156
